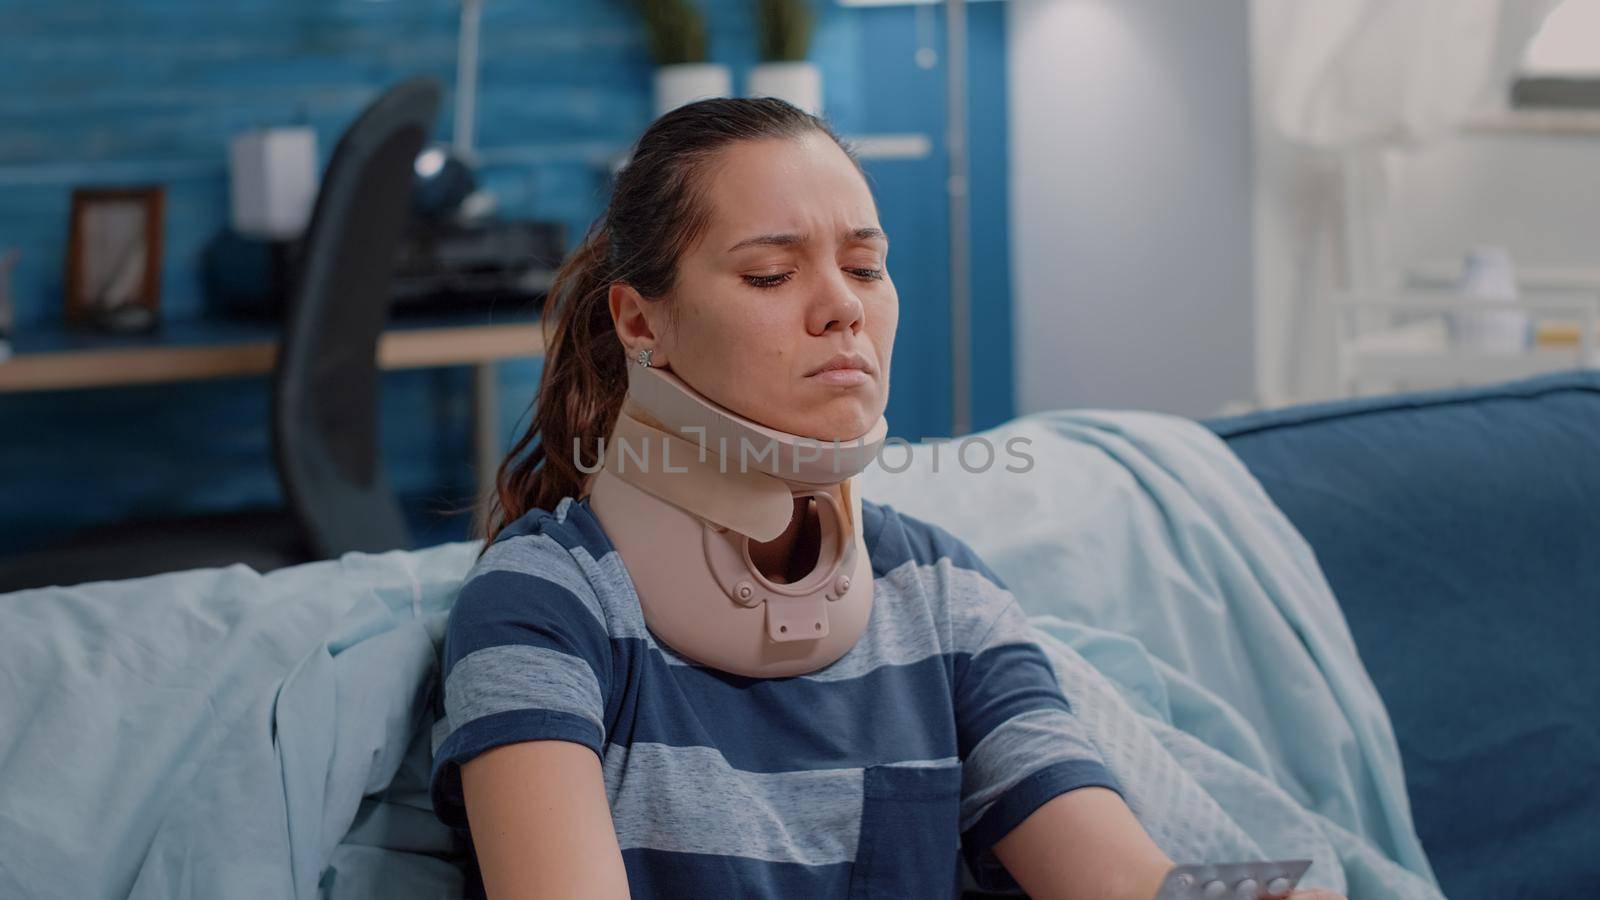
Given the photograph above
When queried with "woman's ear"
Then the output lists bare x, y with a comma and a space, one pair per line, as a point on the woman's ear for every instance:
629, 316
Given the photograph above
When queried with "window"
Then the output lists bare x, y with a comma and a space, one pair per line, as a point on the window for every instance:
1561, 67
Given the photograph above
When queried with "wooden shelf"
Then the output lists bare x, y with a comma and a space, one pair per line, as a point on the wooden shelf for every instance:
57, 358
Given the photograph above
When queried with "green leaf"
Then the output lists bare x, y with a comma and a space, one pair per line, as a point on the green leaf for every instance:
783, 29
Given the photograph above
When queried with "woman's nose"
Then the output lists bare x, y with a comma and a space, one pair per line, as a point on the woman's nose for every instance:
837, 306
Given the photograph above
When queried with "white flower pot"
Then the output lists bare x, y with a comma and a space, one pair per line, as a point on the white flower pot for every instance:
1490, 276
272, 181
798, 82
682, 83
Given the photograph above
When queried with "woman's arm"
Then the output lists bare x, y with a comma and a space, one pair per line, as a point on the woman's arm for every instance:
541, 824
1086, 844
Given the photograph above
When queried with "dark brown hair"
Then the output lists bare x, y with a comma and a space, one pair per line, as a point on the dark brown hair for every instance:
656, 212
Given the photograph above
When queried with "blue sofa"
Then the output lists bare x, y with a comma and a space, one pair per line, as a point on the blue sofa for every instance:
1460, 531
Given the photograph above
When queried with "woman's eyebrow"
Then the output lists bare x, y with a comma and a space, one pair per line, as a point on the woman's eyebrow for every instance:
790, 239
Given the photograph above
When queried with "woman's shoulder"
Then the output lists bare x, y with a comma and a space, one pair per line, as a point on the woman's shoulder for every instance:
537, 555
569, 525
534, 535
895, 538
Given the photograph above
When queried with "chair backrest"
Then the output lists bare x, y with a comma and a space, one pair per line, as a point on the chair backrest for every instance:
325, 409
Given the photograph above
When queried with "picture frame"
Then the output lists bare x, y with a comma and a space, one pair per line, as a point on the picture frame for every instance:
114, 240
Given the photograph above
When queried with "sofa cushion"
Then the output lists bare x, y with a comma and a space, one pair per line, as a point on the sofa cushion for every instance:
1460, 530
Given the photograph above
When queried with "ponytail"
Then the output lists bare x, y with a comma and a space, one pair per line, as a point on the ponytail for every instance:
579, 396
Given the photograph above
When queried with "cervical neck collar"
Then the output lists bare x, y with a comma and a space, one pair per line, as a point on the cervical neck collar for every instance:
686, 485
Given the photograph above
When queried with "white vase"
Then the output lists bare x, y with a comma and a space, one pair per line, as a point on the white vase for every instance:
1488, 275
272, 181
682, 83
798, 82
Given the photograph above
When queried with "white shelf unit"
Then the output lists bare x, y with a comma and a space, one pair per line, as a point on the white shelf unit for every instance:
1397, 341
1567, 277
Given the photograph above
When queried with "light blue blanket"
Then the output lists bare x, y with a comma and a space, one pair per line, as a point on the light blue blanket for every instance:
224, 733
214, 733
1219, 675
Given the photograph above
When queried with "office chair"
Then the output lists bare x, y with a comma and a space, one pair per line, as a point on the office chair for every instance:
325, 411
325, 393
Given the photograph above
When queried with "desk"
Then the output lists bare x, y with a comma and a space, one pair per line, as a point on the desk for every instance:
54, 357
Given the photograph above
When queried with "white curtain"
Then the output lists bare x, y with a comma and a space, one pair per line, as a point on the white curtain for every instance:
1337, 83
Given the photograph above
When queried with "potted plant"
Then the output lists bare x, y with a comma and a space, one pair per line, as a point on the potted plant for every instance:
678, 44
784, 30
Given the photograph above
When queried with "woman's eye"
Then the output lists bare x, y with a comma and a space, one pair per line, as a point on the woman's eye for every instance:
772, 281
767, 281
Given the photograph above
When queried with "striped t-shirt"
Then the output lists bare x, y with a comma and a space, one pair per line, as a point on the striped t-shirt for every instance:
884, 773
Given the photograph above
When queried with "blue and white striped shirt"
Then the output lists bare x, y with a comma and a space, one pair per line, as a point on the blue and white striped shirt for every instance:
880, 774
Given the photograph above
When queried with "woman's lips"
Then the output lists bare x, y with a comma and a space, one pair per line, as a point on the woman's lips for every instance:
845, 377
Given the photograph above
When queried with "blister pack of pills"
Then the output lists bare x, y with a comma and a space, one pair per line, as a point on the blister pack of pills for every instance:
1263, 880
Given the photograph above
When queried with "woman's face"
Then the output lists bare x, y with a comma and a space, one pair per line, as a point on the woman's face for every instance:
790, 272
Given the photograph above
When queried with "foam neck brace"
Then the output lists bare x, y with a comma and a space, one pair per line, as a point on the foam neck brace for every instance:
686, 485
676, 444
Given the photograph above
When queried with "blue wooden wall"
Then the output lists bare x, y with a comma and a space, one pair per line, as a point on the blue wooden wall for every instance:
118, 91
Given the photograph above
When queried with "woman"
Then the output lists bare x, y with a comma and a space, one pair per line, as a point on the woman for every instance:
742, 249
